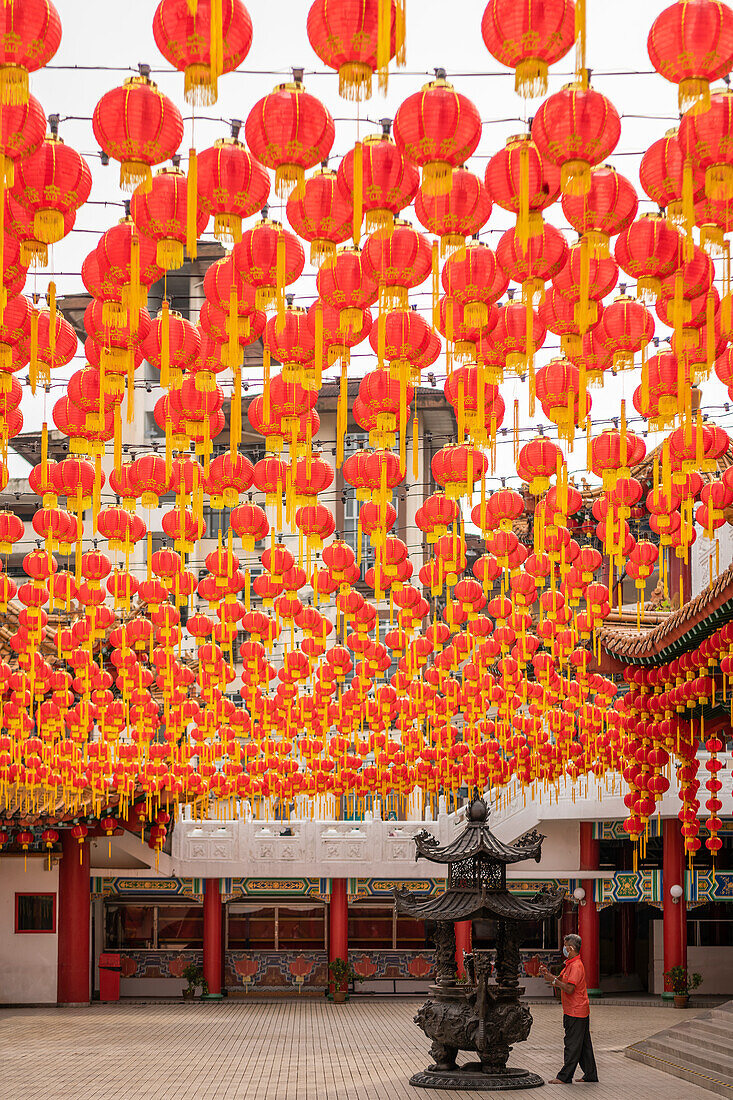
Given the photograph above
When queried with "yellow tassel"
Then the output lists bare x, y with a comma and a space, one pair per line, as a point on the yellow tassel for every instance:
280, 277
165, 345
130, 386
688, 207
415, 445
97, 490
216, 45
33, 369
192, 183
134, 297
522, 230
580, 35
709, 331
436, 284
588, 444
384, 37
319, 342
118, 437
235, 416
359, 186
52, 322
266, 384
401, 33
623, 434
516, 430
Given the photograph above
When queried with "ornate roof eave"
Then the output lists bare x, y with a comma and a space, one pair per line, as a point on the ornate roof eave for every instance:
682, 630
457, 905
476, 839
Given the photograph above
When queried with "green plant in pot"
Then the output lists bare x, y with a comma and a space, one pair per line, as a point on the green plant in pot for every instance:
194, 976
682, 984
341, 974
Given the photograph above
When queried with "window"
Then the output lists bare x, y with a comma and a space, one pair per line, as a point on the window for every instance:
251, 928
537, 934
130, 926
300, 927
411, 935
35, 912
372, 926
180, 926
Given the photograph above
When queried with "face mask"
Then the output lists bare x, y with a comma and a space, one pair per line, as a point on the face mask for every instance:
565, 952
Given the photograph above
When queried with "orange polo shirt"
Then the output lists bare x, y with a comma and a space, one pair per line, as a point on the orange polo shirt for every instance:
575, 1003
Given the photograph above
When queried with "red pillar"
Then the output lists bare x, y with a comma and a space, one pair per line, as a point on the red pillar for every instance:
674, 913
568, 920
587, 912
338, 924
73, 922
463, 943
212, 936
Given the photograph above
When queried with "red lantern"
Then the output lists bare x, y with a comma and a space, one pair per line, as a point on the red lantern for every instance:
528, 36
626, 327
608, 208
575, 129
705, 140
389, 182
50, 184
30, 35
690, 44
232, 185
460, 213
343, 283
349, 38
184, 34
290, 131
256, 260
319, 213
161, 214
649, 250
138, 126
538, 461
662, 172
397, 262
438, 129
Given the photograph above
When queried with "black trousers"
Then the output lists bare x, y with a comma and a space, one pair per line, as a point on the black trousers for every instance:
578, 1049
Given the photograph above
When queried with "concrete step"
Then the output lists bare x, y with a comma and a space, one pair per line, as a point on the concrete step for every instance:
697, 1049
689, 1051
702, 1080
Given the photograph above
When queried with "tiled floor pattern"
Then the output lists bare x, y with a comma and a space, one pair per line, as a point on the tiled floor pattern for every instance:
288, 1050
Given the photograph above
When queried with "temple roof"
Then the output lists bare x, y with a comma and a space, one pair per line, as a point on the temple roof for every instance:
470, 904
478, 839
681, 630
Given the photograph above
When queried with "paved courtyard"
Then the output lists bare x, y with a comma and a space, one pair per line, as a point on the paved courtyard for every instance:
287, 1050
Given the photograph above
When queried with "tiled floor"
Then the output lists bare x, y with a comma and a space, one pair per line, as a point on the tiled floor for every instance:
287, 1050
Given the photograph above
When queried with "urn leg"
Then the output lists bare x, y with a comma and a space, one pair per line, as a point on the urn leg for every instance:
445, 1057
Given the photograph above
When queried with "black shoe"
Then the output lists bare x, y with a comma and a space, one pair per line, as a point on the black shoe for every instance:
590, 1080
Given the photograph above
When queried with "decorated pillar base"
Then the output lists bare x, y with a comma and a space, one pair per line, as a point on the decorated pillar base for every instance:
473, 1077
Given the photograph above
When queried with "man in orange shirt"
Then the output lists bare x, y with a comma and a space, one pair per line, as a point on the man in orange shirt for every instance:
576, 1014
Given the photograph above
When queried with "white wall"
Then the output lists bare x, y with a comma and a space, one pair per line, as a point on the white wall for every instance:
714, 963
27, 960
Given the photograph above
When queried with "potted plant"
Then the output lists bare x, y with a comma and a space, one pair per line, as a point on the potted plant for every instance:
682, 984
194, 975
341, 973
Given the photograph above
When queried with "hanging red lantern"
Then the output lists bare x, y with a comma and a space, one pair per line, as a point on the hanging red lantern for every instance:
705, 140
126, 258
202, 46
256, 260
575, 129
184, 342
509, 337
457, 467
397, 262
649, 250
232, 185
626, 327
538, 461
460, 213
343, 283
290, 131
319, 213
30, 34
473, 280
690, 44
138, 126
389, 182
528, 37
51, 183
357, 39
409, 344
662, 174
534, 262
162, 214
437, 129
606, 210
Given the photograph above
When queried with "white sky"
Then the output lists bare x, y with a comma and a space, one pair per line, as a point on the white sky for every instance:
438, 34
